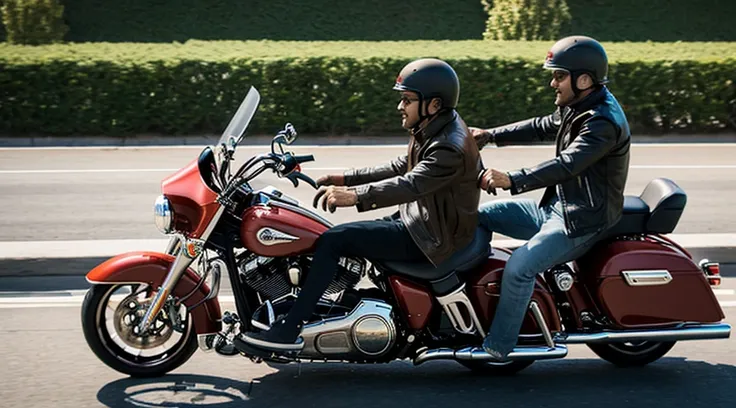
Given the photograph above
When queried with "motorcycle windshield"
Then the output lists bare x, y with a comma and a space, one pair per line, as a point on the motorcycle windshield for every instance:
235, 130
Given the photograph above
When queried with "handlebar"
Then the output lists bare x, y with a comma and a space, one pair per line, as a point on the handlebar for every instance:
304, 159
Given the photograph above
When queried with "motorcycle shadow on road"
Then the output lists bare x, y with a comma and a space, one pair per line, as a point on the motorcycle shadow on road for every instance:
671, 382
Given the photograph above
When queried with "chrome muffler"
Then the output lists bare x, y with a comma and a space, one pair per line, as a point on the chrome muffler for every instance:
478, 354
686, 332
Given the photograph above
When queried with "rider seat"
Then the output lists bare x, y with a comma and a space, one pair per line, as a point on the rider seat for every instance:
443, 278
656, 210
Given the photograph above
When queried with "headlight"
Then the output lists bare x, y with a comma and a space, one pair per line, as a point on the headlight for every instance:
163, 215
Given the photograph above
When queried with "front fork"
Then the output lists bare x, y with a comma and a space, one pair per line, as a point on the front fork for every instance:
186, 251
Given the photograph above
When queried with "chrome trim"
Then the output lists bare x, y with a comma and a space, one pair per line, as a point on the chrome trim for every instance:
171, 246
206, 234
478, 354
451, 302
348, 325
686, 332
652, 277
539, 317
163, 215
275, 194
202, 342
269, 236
181, 263
300, 210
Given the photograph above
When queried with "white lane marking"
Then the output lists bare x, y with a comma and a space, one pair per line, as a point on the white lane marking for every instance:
683, 166
111, 247
723, 292
306, 169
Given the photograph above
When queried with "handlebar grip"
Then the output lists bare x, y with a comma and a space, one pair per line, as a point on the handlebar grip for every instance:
304, 159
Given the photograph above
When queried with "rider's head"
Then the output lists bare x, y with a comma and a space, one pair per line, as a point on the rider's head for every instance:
427, 87
579, 65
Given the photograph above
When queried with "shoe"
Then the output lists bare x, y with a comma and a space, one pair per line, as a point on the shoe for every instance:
497, 356
278, 338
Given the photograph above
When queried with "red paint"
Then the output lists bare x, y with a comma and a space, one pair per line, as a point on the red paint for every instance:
483, 289
289, 222
194, 203
414, 300
687, 298
151, 268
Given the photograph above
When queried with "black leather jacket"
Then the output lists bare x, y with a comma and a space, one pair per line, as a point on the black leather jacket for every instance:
590, 169
436, 190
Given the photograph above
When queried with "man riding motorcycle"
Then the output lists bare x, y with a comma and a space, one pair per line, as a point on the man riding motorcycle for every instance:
584, 182
434, 184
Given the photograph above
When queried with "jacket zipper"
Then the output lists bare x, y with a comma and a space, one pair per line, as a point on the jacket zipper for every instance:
587, 188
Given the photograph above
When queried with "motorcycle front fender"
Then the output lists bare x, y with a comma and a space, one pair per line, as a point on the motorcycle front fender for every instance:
151, 268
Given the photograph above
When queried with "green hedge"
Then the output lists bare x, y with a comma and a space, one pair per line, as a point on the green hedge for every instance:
181, 20
655, 20
195, 87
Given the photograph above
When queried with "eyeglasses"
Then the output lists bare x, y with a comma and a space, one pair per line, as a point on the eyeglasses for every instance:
407, 101
559, 76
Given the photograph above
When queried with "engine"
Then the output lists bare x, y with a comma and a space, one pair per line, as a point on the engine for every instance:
367, 333
275, 278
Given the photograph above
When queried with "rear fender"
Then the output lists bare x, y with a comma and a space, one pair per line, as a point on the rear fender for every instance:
151, 268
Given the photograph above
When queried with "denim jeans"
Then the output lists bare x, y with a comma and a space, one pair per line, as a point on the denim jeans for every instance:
379, 240
547, 245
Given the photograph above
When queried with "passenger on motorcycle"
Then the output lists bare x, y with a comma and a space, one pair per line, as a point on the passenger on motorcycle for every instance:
584, 182
434, 185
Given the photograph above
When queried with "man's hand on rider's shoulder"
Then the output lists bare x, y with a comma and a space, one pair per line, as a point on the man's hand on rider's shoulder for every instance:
493, 179
331, 180
335, 196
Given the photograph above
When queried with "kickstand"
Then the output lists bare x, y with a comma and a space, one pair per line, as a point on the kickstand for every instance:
299, 369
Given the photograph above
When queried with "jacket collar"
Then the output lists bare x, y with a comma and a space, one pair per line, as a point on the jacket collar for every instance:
591, 100
427, 130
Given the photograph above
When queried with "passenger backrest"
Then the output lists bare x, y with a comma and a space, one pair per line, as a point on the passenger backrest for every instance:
666, 201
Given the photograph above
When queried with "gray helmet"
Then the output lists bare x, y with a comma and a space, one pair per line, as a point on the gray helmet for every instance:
579, 55
430, 78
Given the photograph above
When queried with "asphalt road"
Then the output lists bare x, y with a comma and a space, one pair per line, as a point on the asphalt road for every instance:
46, 362
108, 193
93, 194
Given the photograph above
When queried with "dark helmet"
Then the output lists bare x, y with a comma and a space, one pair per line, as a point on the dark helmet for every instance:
579, 54
430, 78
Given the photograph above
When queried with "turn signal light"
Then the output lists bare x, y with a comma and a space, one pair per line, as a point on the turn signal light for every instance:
712, 271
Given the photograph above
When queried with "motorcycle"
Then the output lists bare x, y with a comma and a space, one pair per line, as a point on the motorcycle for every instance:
629, 299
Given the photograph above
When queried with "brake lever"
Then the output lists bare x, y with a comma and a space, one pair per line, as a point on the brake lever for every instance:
295, 176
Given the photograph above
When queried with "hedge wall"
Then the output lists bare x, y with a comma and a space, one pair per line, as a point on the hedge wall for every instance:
192, 88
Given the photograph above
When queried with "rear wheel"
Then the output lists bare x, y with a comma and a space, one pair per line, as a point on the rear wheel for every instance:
632, 354
488, 368
110, 316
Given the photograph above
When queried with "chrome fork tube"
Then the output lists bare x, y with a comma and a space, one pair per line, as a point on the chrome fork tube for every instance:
181, 263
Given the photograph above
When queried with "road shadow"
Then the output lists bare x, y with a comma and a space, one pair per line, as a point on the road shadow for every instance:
671, 382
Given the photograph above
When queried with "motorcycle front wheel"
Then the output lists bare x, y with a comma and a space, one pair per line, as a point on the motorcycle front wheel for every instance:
110, 316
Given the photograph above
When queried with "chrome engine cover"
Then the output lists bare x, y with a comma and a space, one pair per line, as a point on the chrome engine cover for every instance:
366, 333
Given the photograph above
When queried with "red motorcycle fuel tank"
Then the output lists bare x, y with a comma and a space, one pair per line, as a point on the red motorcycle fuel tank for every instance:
645, 284
274, 231
484, 290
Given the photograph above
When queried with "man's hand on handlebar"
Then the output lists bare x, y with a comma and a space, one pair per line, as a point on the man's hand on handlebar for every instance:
331, 180
335, 196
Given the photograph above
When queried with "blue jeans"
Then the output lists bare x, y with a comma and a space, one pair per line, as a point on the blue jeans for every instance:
547, 245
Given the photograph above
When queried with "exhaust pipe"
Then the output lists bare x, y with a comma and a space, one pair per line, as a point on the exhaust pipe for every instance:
478, 354
687, 332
